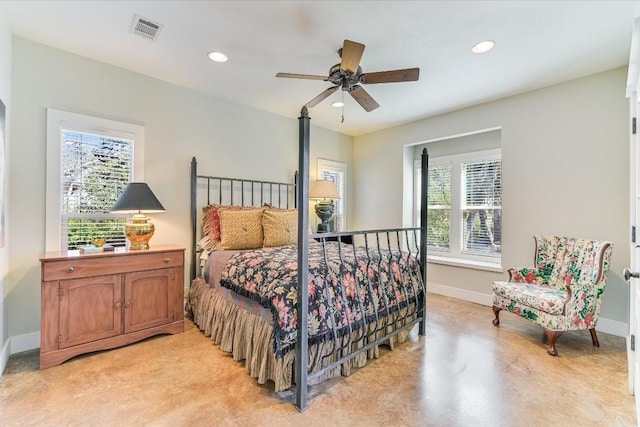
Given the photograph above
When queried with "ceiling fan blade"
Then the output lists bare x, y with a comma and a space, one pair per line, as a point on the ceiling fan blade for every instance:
363, 98
351, 55
324, 95
301, 76
406, 75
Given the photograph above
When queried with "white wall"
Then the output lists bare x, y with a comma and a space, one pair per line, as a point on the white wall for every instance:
227, 139
565, 171
5, 96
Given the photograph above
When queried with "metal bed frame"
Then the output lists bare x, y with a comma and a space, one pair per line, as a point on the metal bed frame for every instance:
216, 188
378, 244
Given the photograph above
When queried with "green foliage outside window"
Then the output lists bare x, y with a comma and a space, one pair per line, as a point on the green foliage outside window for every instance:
82, 231
439, 207
96, 169
480, 207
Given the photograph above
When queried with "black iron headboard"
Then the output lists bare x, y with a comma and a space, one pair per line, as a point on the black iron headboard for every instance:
207, 190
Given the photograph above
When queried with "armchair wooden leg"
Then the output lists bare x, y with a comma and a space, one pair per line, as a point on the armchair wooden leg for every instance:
496, 311
553, 337
594, 337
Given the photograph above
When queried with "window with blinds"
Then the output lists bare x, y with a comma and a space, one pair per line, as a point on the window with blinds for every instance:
336, 172
481, 207
95, 171
464, 206
439, 207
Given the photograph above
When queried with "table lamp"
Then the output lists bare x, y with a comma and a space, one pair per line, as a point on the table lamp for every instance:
325, 192
138, 198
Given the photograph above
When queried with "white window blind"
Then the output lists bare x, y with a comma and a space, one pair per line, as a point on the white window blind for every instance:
96, 169
464, 206
336, 172
481, 207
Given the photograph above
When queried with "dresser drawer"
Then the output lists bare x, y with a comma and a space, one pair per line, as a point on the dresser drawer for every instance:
86, 266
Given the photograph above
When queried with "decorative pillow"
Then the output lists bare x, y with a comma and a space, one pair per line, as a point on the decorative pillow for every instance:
208, 241
211, 224
240, 229
280, 227
271, 206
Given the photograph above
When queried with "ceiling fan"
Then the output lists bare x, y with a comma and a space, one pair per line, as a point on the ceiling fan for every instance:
348, 75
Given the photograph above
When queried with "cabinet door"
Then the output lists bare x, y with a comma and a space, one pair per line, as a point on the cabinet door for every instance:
90, 309
148, 299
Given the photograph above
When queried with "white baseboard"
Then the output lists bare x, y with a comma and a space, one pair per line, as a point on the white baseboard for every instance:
607, 326
613, 327
4, 356
18, 344
25, 342
463, 294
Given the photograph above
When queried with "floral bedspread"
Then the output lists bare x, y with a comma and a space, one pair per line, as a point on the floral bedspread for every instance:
341, 298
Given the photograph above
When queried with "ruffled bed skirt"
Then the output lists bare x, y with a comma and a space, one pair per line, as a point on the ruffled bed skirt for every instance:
249, 337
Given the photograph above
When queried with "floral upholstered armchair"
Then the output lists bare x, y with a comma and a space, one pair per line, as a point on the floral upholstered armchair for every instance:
563, 292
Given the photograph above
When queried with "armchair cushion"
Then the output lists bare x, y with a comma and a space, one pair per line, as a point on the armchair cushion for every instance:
543, 298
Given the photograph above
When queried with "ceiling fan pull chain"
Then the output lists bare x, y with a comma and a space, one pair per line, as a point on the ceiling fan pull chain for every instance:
342, 107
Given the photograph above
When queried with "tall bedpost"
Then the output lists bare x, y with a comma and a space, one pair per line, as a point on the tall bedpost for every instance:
302, 342
194, 218
424, 201
296, 184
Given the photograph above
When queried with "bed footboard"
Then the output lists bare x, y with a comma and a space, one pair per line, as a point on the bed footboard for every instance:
375, 289
343, 351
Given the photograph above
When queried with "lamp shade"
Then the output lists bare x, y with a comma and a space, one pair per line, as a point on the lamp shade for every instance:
323, 189
137, 197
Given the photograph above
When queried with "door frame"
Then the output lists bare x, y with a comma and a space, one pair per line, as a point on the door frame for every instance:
632, 90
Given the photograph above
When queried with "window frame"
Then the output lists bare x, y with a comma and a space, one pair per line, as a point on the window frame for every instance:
58, 120
340, 167
456, 255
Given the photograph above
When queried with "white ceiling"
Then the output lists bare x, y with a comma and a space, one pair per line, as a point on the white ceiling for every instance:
538, 43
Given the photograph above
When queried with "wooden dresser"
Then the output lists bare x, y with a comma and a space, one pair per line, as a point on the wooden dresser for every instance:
99, 301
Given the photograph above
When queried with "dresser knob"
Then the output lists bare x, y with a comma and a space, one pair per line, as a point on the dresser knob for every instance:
167, 260
117, 305
71, 269
127, 304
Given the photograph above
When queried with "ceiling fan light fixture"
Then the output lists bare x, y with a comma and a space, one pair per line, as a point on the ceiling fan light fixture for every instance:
217, 56
337, 104
348, 76
483, 46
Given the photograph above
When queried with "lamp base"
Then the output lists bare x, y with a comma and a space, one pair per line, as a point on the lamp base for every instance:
324, 210
139, 232
324, 228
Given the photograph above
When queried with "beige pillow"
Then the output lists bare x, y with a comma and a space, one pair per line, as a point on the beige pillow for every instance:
241, 229
280, 227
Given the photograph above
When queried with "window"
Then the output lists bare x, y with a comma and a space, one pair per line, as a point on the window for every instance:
464, 209
481, 206
89, 163
336, 172
439, 207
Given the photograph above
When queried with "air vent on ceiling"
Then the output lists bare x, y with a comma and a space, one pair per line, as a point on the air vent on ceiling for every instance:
145, 27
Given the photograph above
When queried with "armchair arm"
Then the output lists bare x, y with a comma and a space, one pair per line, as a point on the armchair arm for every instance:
527, 275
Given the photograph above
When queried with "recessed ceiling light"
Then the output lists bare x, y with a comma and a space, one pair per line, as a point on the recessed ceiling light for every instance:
483, 46
338, 104
217, 56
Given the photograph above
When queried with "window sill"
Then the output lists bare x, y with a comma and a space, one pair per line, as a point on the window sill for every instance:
465, 263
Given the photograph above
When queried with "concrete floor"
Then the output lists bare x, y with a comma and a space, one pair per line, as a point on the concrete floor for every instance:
465, 372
